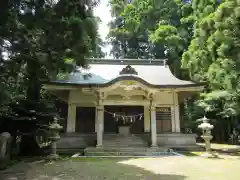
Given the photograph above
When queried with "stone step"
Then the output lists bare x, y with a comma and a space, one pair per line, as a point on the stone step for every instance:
123, 140
121, 136
129, 154
124, 145
126, 151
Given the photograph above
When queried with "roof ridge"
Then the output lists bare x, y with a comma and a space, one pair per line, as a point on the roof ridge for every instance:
160, 62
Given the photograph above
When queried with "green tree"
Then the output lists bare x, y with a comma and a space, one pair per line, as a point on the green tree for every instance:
151, 29
213, 56
196, 58
43, 38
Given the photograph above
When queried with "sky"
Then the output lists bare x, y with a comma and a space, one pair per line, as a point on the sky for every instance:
103, 12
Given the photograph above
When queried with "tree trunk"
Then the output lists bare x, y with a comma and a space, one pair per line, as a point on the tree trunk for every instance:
28, 144
34, 86
33, 90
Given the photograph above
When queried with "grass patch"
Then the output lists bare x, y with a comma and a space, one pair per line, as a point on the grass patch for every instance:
196, 153
188, 153
98, 159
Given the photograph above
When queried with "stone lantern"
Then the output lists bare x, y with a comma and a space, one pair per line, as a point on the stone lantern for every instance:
55, 128
206, 128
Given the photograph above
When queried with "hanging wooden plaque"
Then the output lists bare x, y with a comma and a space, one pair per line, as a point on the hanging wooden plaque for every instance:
163, 113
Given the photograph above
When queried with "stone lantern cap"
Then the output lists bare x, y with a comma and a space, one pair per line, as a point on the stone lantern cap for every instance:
204, 120
205, 125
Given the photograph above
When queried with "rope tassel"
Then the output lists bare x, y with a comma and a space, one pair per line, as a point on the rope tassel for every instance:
125, 119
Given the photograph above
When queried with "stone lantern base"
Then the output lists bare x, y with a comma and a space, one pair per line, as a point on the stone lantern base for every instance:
53, 157
209, 155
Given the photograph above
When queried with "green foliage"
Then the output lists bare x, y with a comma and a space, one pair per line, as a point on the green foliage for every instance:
150, 29
213, 55
41, 39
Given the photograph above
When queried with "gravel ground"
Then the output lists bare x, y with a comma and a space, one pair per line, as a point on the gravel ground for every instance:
164, 168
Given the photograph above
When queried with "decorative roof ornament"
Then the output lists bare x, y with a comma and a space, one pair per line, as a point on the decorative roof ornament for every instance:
128, 70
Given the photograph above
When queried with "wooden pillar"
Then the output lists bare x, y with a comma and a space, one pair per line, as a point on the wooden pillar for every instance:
147, 124
71, 120
96, 117
173, 118
176, 113
153, 126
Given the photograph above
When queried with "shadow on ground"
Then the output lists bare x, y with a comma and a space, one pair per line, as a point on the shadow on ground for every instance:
85, 169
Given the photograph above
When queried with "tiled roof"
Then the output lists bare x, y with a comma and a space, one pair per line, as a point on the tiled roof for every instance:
154, 73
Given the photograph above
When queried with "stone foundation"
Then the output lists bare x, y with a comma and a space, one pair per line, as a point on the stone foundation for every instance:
71, 142
74, 142
176, 139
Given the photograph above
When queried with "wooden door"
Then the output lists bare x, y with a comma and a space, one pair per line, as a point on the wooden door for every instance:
85, 120
163, 119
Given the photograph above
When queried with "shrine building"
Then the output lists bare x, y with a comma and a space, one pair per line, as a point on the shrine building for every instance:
118, 99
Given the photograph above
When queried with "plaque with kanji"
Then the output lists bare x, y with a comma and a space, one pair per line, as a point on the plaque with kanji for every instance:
163, 113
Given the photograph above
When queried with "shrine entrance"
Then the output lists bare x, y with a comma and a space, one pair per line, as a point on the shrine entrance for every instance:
124, 119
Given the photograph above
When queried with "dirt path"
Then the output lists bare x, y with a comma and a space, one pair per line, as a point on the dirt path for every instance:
164, 168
